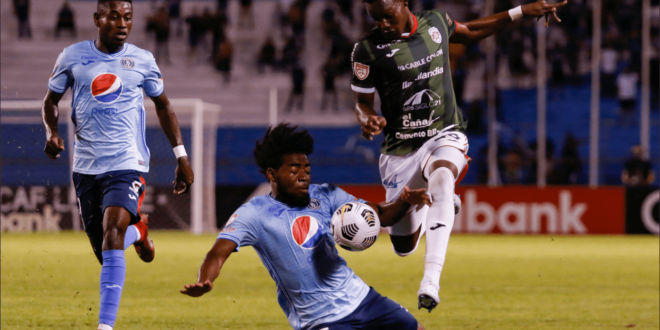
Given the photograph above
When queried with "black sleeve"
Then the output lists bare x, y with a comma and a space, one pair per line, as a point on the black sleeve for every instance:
362, 60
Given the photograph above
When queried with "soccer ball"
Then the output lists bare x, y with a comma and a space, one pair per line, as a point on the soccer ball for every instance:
355, 226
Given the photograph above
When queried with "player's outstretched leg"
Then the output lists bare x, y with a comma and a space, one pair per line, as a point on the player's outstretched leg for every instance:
116, 221
406, 234
144, 246
439, 221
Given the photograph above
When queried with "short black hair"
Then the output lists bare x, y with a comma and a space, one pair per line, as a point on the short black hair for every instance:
103, 2
280, 141
372, 1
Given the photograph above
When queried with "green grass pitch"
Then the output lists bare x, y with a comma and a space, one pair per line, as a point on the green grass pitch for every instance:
50, 281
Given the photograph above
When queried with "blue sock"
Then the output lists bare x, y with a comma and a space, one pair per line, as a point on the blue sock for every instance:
113, 274
132, 236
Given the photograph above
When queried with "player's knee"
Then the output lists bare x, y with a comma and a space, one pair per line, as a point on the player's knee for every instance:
404, 246
116, 219
405, 253
441, 183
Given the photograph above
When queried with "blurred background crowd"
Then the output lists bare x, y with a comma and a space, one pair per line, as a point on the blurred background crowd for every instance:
232, 53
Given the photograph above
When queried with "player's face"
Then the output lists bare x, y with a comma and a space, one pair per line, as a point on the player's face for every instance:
292, 179
114, 20
390, 17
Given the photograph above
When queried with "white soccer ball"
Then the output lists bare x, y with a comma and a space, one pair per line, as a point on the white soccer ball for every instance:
355, 226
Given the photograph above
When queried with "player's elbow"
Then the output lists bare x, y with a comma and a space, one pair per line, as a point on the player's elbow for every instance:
51, 100
467, 38
47, 102
213, 256
163, 109
461, 40
472, 38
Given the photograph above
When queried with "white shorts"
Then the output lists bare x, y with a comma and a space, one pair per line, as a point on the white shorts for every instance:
409, 170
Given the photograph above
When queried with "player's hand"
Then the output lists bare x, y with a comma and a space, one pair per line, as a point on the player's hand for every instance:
415, 196
54, 145
373, 126
542, 8
184, 176
197, 289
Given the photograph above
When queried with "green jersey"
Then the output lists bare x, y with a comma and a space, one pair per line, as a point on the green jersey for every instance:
413, 79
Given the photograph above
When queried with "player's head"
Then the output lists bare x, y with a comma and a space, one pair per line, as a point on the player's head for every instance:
390, 16
282, 158
114, 18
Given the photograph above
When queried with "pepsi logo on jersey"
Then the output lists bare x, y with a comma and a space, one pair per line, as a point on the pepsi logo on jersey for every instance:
306, 231
109, 112
106, 88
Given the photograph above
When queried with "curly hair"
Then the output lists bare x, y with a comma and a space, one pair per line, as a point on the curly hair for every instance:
280, 141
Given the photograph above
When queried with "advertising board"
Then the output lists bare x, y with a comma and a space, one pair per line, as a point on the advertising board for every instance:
531, 210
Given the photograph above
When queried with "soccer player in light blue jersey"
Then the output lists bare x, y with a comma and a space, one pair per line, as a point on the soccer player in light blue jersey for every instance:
290, 230
108, 78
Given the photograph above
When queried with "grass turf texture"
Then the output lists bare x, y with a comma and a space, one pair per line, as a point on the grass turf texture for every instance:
490, 282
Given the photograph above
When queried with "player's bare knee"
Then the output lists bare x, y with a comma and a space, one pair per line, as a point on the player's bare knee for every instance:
406, 250
419, 326
403, 245
116, 217
115, 223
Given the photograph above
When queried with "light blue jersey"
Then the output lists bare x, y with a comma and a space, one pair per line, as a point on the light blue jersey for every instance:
314, 284
108, 104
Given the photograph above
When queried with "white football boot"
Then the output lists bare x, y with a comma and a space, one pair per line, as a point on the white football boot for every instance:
427, 296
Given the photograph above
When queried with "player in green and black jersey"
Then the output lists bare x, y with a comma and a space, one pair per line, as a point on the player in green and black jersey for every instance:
405, 58
412, 77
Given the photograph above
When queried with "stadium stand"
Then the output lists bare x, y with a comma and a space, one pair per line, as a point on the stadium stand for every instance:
26, 65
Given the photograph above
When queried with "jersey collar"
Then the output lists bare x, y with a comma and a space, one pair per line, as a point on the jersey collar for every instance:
113, 55
414, 28
273, 200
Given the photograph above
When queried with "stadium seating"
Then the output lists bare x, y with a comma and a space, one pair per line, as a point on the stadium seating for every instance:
341, 155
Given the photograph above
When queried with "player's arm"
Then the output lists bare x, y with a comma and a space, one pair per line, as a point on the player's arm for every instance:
372, 124
169, 123
390, 213
473, 31
50, 114
210, 269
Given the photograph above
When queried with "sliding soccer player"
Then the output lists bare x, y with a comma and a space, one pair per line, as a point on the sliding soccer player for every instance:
406, 59
108, 77
290, 230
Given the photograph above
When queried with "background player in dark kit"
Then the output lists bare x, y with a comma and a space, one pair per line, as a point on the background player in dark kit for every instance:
406, 59
109, 189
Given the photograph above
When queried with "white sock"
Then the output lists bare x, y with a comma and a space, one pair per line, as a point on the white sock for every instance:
137, 231
104, 327
439, 223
